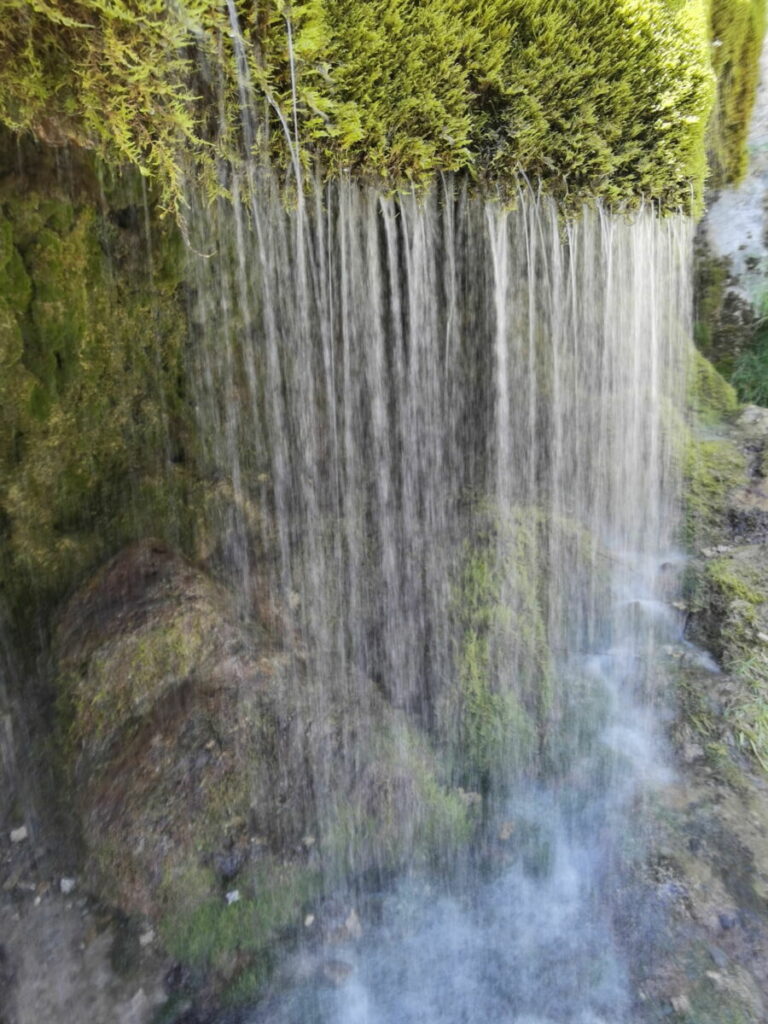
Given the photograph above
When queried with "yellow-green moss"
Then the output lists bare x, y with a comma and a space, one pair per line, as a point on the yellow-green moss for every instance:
90, 352
710, 395
738, 27
398, 811
597, 97
507, 697
132, 674
712, 469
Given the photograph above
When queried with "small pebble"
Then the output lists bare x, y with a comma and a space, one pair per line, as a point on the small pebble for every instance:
309, 920
18, 835
147, 938
233, 896
67, 885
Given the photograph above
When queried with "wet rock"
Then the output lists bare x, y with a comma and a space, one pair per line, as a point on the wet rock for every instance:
753, 421
693, 752
183, 731
728, 920
506, 831
339, 923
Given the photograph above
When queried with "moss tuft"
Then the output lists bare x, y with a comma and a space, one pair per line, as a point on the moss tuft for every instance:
711, 397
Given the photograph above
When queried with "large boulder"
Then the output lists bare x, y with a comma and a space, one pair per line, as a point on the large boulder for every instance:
206, 761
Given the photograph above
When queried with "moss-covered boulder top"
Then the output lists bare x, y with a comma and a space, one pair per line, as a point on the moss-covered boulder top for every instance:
594, 97
183, 742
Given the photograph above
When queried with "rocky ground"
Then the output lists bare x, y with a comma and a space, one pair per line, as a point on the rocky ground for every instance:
706, 879
63, 956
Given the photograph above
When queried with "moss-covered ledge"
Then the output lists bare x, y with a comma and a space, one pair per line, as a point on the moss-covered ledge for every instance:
594, 97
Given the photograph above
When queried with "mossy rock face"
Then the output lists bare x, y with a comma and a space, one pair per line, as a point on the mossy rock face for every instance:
728, 594
91, 406
738, 28
711, 398
713, 461
510, 712
200, 763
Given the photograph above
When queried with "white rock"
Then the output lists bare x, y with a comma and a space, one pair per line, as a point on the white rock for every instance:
18, 835
147, 938
681, 1004
233, 896
309, 920
692, 752
67, 885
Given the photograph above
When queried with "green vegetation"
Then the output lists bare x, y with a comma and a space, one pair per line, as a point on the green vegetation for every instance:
750, 372
710, 396
90, 348
712, 468
730, 602
738, 27
596, 97
396, 809
510, 711
235, 942
712, 465
502, 657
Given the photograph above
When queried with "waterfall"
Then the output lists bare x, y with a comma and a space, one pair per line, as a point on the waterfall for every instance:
443, 435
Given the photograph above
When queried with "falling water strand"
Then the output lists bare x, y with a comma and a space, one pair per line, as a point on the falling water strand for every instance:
395, 394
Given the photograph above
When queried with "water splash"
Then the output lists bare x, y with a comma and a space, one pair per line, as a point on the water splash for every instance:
445, 435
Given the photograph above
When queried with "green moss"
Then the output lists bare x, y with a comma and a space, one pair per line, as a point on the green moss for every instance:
711, 397
398, 811
90, 348
201, 929
606, 97
726, 599
738, 27
235, 942
503, 668
733, 582
712, 469
508, 705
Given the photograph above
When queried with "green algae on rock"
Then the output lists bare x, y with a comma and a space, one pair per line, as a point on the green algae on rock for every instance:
90, 345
